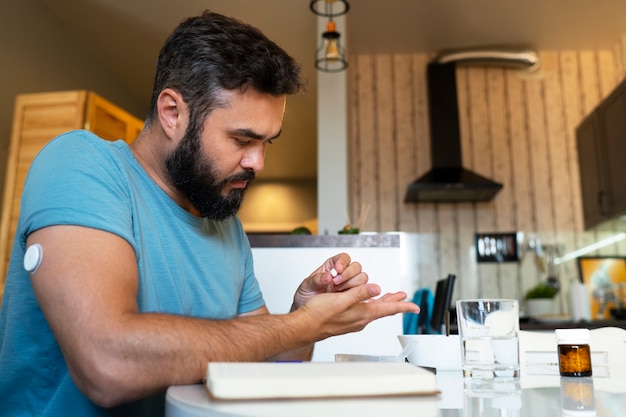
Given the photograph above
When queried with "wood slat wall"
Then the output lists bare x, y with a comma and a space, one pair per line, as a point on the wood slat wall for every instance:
516, 128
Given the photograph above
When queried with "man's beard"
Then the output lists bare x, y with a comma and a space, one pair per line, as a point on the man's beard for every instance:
197, 181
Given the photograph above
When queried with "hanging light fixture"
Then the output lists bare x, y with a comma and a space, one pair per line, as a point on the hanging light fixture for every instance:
326, 8
330, 56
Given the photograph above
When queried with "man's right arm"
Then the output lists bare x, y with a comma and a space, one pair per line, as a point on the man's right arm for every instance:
87, 287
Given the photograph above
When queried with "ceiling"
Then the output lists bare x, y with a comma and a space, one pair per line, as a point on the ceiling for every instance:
126, 35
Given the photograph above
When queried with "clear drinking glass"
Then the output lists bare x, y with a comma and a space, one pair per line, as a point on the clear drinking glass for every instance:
489, 333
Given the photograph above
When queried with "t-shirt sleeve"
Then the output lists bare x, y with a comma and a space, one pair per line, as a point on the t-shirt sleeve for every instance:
75, 180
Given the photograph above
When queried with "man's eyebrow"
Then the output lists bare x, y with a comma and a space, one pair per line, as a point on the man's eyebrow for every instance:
253, 135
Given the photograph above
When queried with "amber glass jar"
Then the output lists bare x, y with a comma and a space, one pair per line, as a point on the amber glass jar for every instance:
574, 352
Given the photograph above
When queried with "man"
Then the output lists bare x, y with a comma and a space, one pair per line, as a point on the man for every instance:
139, 272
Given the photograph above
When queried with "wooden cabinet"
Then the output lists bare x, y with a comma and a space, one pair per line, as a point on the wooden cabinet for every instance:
37, 119
110, 122
601, 139
613, 121
594, 200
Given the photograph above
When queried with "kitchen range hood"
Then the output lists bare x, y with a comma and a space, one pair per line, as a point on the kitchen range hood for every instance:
448, 181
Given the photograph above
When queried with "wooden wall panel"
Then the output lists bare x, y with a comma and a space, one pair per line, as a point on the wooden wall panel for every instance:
607, 73
364, 150
507, 277
427, 253
465, 218
556, 147
619, 51
516, 128
427, 219
353, 103
427, 215
590, 87
501, 151
386, 177
520, 165
520, 184
540, 181
572, 114
405, 132
477, 144
563, 81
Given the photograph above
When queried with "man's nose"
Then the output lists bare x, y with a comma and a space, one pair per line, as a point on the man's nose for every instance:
254, 158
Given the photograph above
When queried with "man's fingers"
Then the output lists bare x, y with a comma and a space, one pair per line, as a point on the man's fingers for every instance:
395, 302
364, 292
394, 296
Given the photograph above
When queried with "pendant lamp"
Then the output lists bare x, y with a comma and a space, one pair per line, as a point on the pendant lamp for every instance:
330, 56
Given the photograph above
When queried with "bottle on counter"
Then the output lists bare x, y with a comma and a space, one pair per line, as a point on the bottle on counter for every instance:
574, 352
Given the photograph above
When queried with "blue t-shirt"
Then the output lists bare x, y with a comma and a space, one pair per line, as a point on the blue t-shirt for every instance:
187, 265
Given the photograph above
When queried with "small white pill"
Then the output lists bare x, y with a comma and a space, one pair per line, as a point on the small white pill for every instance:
333, 272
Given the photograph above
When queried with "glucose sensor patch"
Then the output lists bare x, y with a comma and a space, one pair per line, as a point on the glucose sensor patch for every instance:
32, 257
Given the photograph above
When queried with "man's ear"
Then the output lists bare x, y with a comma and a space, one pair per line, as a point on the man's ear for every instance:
173, 115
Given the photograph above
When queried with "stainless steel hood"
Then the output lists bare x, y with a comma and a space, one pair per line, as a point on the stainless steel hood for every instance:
448, 180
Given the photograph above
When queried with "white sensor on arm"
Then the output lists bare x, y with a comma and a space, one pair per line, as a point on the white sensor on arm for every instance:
32, 257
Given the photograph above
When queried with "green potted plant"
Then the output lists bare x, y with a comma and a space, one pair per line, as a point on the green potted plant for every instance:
540, 300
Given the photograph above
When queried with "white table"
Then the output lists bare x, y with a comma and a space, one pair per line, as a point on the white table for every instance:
532, 396
192, 401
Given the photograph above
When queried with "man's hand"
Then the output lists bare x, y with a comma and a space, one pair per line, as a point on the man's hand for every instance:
339, 298
336, 274
333, 314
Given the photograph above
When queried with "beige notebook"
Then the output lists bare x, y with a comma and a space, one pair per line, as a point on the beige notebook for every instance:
279, 380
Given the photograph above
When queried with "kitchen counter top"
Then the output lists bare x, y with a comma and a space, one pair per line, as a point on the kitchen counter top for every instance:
362, 240
537, 324
527, 323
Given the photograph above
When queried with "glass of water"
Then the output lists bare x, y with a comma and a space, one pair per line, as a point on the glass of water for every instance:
489, 333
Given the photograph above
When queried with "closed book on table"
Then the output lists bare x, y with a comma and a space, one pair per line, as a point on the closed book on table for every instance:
281, 380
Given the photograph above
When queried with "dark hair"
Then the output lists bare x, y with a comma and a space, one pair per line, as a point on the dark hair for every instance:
210, 53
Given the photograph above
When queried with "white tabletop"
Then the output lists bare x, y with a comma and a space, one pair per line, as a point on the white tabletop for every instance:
532, 396
192, 401
540, 393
